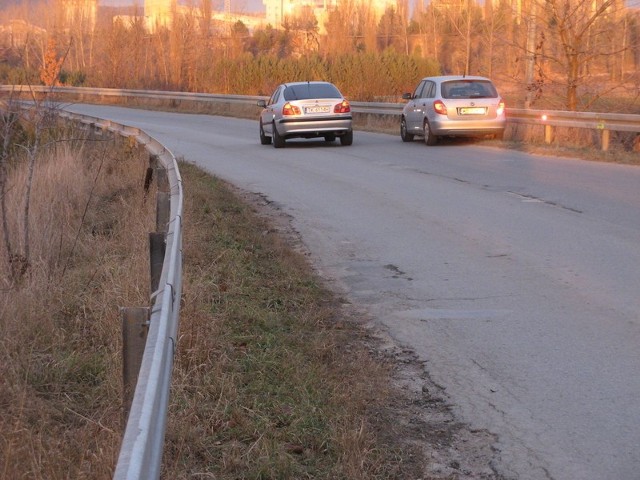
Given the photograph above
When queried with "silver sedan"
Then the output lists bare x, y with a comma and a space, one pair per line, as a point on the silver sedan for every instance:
305, 110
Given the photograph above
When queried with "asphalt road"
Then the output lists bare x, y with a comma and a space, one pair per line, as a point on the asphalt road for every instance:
514, 278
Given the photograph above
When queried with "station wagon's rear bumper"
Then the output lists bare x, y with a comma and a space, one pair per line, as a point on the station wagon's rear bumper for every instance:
468, 127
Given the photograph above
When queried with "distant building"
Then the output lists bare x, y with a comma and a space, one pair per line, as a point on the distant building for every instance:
159, 13
162, 13
83, 15
279, 12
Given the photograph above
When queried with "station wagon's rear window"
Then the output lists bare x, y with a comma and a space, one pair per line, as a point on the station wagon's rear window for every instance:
469, 89
311, 90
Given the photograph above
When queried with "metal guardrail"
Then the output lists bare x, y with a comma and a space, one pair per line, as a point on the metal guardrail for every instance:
378, 108
142, 445
119, 93
605, 123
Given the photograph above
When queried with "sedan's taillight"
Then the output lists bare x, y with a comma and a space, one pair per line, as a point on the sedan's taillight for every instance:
288, 109
440, 107
500, 107
342, 107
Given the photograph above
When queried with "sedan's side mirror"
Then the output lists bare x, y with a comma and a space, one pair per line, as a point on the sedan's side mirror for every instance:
262, 103
407, 96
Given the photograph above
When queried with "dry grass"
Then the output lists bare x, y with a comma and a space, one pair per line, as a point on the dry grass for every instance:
574, 143
60, 368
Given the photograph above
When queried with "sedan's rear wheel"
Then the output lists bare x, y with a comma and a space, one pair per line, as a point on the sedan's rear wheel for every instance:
264, 140
347, 138
406, 136
329, 138
278, 141
429, 138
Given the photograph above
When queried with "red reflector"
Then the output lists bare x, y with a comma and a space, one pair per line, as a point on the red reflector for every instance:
440, 107
342, 107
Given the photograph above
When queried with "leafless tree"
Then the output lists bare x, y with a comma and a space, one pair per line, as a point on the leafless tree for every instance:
582, 40
14, 120
8, 130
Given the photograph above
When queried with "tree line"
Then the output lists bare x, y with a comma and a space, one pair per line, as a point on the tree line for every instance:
566, 54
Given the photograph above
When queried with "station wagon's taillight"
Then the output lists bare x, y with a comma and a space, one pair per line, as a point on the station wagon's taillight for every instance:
440, 107
501, 107
342, 107
288, 109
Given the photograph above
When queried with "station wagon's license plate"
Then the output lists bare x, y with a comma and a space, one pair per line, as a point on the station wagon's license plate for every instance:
473, 111
316, 109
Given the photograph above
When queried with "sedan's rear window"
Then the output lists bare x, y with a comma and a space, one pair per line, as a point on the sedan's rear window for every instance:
469, 89
311, 90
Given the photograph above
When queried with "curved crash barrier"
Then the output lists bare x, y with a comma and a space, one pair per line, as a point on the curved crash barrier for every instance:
150, 334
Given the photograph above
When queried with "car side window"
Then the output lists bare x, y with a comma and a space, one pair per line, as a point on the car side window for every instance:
429, 90
274, 97
419, 88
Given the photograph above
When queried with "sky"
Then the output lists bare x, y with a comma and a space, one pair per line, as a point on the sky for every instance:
237, 5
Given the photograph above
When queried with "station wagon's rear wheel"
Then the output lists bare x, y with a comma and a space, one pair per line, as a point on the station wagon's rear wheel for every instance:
264, 140
278, 141
406, 136
347, 138
429, 138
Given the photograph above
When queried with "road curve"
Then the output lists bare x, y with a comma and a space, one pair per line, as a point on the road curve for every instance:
514, 278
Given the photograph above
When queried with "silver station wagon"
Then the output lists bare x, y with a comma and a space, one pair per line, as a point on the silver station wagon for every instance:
305, 110
453, 106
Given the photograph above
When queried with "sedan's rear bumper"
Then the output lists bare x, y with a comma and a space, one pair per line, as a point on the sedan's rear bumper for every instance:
316, 126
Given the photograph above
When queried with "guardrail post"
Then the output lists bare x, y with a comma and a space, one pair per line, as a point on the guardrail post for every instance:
135, 325
153, 166
548, 134
605, 139
158, 239
157, 249
162, 180
163, 211
94, 131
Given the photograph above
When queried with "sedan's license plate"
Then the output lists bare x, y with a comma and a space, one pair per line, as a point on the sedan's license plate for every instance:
317, 109
472, 111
